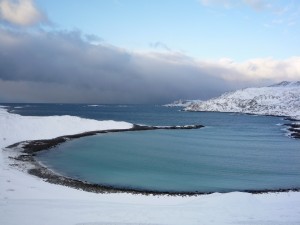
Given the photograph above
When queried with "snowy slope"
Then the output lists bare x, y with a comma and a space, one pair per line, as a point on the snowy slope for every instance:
28, 200
13, 126
281, 99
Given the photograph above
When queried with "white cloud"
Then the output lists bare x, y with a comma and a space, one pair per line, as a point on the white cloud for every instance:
260, 69
20, 12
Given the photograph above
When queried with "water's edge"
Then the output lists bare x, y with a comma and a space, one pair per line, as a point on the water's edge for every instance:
28, 150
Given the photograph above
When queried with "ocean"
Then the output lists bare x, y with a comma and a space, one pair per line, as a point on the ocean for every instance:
233, 152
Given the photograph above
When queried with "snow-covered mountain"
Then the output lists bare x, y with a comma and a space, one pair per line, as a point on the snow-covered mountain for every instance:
182, 103
282, 99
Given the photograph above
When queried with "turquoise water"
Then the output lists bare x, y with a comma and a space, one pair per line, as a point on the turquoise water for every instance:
234, 152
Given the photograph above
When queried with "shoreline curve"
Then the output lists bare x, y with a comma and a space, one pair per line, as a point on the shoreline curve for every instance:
28, 149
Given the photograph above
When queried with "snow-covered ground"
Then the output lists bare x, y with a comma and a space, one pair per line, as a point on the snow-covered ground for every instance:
281, 99
25, 199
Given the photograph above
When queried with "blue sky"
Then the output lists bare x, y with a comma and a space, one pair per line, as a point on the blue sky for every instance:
202, 29
144, 51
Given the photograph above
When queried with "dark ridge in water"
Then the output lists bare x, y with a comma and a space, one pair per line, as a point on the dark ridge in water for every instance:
31, 147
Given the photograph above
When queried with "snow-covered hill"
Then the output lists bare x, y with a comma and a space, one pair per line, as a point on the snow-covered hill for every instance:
282, 99
182, 103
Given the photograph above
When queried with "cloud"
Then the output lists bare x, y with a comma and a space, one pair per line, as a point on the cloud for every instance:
261, 69
20, 12
159, 45
257, 4
64, 66
93, 38
254, 4
225, 3
279, 13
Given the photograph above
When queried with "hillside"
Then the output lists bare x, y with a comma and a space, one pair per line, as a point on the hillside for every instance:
282, 99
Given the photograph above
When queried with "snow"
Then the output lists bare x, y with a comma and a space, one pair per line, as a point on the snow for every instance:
15, 128
287, 84
25, 199
281, 99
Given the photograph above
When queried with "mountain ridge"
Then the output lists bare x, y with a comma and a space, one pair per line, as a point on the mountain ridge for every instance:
286, 84
281, 99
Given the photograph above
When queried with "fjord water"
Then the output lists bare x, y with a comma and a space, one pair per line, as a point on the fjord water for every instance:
234, 152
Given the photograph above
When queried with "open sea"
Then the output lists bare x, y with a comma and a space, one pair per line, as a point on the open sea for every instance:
233, 152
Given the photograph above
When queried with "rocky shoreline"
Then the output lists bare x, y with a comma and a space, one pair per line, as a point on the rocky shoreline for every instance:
28, 150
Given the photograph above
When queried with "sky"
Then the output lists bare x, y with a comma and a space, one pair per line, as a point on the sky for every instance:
144, 51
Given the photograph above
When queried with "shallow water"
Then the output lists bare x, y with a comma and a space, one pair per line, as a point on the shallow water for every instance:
234, 152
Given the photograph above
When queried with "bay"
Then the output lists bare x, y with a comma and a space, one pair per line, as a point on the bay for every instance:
234, 152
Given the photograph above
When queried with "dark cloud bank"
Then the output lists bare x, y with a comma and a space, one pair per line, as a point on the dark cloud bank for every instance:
65, 67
